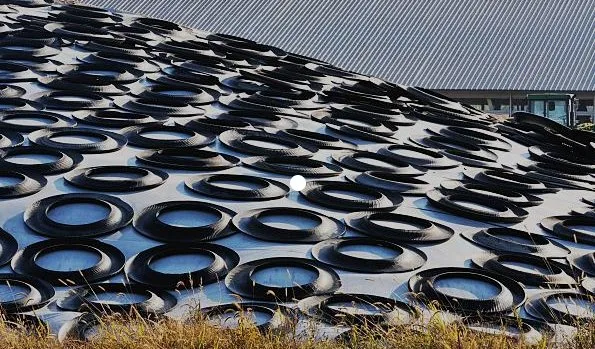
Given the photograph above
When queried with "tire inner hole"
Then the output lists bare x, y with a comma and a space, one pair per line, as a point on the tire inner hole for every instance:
232, 319
6, 181
165, 135
466, 288
527, 268
181, 263
31, 159
28, 121
117, 176
284, 276
67, 259
242, 185
188, 218
114, 298
265, 144
12, 292
369, 251
356, 307
477, 206
574, 306
77, 139
349, 195
286, 221
78, 213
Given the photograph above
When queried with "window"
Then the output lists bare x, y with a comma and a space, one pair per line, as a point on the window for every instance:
557, 111
538, 107
500, 105
519, 105
585, 105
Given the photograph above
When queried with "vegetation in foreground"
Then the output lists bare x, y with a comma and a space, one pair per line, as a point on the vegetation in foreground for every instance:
120, 333
586, 127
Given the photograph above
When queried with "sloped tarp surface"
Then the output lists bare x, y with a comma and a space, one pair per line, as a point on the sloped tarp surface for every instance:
125, 114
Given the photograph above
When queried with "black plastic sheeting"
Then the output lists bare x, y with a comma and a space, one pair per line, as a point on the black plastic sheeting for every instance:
145, 164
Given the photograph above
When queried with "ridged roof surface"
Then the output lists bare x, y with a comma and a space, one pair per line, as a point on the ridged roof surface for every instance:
439, 44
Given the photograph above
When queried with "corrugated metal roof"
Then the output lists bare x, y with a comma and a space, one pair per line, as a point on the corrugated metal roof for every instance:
439, 44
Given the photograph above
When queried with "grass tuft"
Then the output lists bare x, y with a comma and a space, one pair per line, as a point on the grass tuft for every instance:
117, 332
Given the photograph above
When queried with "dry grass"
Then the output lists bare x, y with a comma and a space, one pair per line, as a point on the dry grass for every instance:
587, 126
117, 333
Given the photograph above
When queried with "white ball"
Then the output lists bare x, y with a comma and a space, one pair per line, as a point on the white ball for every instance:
297, 182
